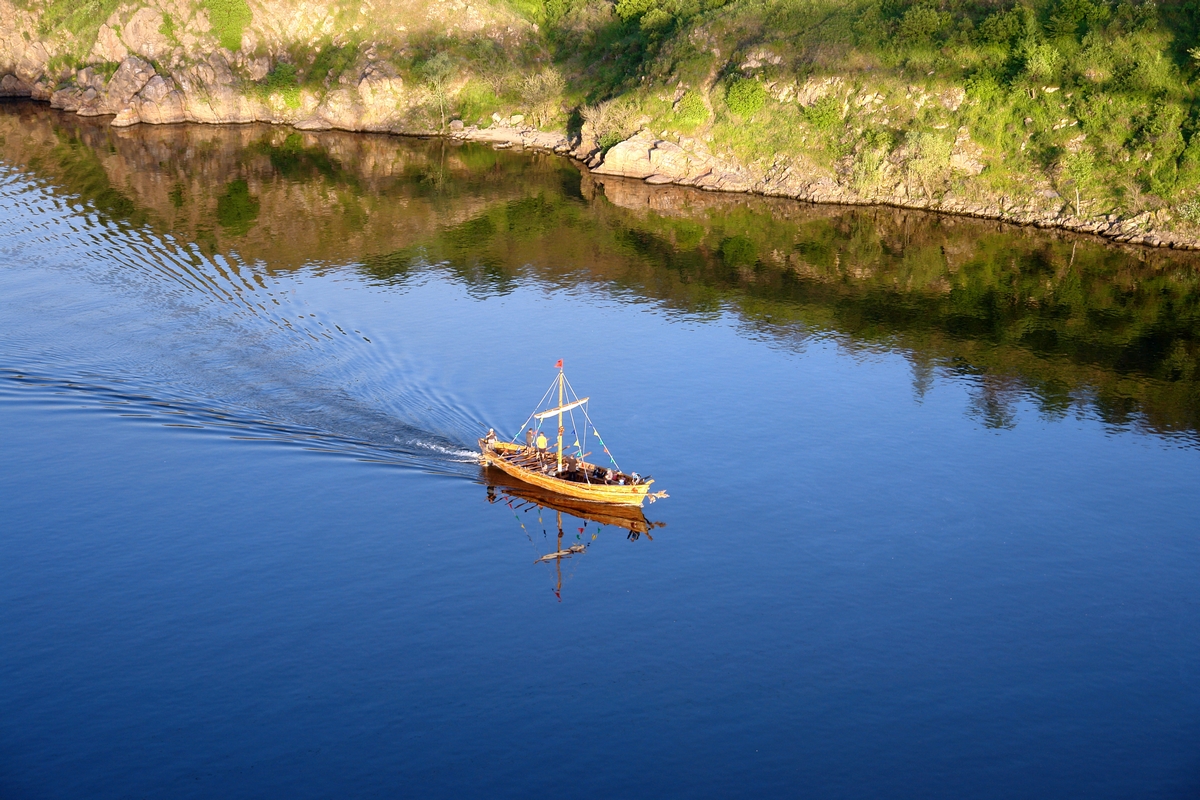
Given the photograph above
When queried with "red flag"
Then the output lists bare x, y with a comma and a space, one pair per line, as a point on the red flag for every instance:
559, 364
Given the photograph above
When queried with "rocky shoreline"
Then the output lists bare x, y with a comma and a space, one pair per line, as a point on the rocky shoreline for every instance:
376, 99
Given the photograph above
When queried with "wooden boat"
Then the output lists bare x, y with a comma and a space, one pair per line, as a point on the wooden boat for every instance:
567, 475
628, 517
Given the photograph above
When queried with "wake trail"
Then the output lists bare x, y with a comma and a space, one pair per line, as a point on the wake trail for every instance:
127, 317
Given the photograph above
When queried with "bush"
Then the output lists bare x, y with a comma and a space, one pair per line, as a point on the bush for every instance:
825, 114
691, 111
542, 93
282, 80
229, 19
869, 162
1078, 168
930, 159
1001, 27
611, 121
1041, 61
745, 96
1189, 211
920, 24
634, 9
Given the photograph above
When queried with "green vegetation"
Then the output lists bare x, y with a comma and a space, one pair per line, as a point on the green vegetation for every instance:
81, 20
1070, 324
745, 96
167, 29
1094, 97
229, 19
283, 81
438, 71
237, 209
690, 110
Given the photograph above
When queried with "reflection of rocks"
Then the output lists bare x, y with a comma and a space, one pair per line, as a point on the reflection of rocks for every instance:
285, 198
357, 194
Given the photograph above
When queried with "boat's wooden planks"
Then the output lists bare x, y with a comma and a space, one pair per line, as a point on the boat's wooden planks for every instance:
497, 454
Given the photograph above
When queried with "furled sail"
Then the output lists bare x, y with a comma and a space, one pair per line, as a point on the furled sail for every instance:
560, 410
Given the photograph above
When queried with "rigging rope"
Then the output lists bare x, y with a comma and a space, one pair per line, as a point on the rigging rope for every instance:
598, 436
572, 396
521, 429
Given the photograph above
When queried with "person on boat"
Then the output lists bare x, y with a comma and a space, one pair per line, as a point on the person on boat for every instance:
636, 478
542, 444
529, 439
570, 464
490, 439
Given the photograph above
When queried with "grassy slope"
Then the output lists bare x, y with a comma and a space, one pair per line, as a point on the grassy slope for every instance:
1094, 95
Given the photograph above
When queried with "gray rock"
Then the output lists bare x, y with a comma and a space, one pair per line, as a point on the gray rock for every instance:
159, 102
642, 156
141, 34
12, 86
109, 46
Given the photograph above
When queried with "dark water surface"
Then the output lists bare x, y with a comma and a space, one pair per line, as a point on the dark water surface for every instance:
933, 519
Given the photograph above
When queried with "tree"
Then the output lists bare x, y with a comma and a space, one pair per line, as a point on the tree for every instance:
1079, 168
438, 73
542, 92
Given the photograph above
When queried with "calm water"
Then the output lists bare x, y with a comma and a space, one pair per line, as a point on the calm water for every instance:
932, 527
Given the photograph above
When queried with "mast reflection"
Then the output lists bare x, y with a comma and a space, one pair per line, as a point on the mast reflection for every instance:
592, 519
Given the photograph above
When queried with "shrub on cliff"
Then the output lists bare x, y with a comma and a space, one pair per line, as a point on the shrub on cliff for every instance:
690, 111
229, 19
542, 93
283, 81
611, 121
745, 96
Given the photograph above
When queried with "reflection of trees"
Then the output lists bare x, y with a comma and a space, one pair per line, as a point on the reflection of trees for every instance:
1023, 315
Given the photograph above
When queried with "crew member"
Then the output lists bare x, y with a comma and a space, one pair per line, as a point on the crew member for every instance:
529, 439
542, 444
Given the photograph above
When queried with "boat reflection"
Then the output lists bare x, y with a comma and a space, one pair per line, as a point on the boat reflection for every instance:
570, 539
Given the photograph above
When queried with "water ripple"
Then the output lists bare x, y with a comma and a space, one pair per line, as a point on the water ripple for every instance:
151, 326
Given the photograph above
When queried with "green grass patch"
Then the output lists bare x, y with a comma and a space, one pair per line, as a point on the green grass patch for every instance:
281, 80
229, 19
690, 111
167, 29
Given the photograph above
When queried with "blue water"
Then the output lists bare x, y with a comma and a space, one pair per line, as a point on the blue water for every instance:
245, 550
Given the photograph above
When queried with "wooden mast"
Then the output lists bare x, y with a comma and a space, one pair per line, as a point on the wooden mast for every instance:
560, 413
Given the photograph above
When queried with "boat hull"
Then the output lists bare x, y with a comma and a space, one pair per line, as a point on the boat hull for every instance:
493, 456
629, 517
